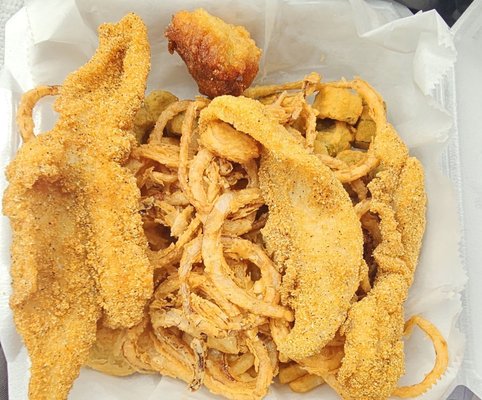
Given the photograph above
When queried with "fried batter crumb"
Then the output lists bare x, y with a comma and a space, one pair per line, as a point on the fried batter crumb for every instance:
222, 58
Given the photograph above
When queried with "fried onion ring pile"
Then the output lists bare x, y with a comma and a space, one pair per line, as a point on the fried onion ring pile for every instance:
226, 299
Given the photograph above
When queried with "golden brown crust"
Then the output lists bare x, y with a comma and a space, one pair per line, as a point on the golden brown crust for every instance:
312, 229
216, 293
55, 307
222, 58
100, 101
78, 247
374, 327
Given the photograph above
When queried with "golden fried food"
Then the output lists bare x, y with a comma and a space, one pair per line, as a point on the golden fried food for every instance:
441, 361
336, 137
102, 98
145, 119
106, 355
312, 230
25, 110
374, 328
351, 157
226, 142
54, 300
306, 383
339, 104
222, 58
245, 238
78, 248
218, 285
217, 268
365, 129
291, 372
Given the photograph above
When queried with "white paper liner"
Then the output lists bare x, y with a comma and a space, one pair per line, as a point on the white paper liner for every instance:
407, 59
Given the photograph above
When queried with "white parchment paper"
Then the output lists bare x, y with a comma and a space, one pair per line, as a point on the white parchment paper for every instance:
409, 59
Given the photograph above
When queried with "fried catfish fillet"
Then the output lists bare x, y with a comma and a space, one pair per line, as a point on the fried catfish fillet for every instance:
222, 58
312, 230
78, 248
98, 103
374, 358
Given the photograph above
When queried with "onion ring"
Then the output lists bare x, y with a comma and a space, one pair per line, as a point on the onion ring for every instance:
26, 106
216, 267
441, 359
169, 113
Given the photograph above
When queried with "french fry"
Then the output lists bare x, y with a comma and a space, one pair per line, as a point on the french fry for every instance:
290, 373
306, 383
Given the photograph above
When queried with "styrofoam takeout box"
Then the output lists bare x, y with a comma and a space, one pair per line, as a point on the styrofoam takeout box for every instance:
457, 90
468, 82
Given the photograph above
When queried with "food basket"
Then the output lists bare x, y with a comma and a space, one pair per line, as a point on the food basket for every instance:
429, 76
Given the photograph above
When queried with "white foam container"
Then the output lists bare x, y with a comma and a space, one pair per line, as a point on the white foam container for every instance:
459, 91
468, 84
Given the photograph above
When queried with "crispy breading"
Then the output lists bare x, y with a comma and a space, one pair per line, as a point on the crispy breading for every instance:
365, 129
224, 141
154, 104
106, 354
312, 230
338, 104
78, 247
54, 299
222, 58
97, 105
374, 359
335, 136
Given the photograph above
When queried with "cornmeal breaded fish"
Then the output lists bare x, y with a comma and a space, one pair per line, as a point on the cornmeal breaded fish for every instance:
98, 103
222, 58
78, 248
374, 357
312, 229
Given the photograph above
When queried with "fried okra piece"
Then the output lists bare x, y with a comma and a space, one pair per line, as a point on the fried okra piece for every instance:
365, 130
338, 103
336, 136
222, 58
154, 104
351, 157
